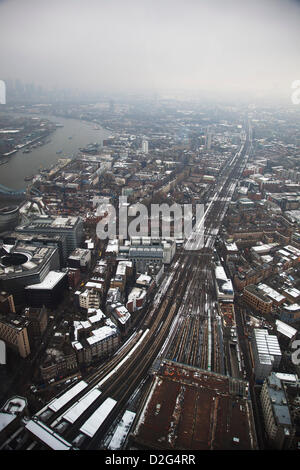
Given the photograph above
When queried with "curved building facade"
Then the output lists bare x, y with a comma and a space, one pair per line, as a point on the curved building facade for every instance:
24, 264
9, 218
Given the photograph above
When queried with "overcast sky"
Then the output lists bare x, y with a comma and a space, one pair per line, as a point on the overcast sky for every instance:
154, 45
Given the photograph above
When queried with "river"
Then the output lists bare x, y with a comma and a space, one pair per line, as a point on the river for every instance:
74, 134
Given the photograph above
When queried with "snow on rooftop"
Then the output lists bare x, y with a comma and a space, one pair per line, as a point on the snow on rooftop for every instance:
122, 313
15, 405
94, 285
293, 292
267, 345
136, 293
113, 246
76, 410
96, 315
50, 281
144, 279
122, 431
231, 247
64, 221
6, 419
2, 353
261, 248
94, 422
58, 403
100, 334
292, 308
220, 273
47, 435
292, 249
285, 329
273, 294
267, 258
287, 377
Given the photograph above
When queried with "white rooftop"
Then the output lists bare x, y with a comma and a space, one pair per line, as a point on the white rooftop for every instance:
122, 314
76, 410
122, 431
2, 353
292, 249
292, 308
136, 293
58, 403
47, 435
144, 279
267, 345
15, 405
91, 426
96, 315
6, 419
261, 248
287, 377
273, 294
50, 281
100, 334
231, 247
293, 292
285, 329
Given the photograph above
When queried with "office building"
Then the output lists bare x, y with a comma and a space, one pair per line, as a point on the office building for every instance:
90, 298
224, 286
266, 353
143, 256
7, 304
9, 218
38, 318
257, 299
94, 338
13, 331
49, 292
277, 418
70, 227
80, 258
25, 264
145, 146
42, 239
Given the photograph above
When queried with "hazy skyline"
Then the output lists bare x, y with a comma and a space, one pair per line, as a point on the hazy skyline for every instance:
221, 46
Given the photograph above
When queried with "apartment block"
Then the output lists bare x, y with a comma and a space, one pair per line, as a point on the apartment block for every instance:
13, 330
277, 418
257, 299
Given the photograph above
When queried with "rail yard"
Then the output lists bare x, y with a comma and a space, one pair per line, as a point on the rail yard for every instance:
183, 325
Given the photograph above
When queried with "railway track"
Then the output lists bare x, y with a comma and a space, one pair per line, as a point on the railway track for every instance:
181, 325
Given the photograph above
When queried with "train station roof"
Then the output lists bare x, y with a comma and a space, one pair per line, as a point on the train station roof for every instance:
195, 409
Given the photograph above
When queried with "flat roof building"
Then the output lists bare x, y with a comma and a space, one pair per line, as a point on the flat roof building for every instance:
257, 299
224, 286
25, 264
266, 353
13, 331
71, 227
277, 418
193, 409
